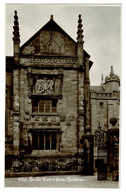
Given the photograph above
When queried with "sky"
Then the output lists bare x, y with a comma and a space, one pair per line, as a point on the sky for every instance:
101, 25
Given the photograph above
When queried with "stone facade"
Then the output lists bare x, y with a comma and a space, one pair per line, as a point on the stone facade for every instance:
48, 124
105, 103
113, 151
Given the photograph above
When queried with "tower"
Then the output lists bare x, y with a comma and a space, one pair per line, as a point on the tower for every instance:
112, 81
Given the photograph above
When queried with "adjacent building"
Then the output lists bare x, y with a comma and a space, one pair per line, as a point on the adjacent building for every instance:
105, 101
105, 106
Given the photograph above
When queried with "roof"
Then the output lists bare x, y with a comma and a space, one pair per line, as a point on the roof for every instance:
51, 25
99, 88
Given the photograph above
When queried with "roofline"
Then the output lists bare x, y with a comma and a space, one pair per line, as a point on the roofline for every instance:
42, 28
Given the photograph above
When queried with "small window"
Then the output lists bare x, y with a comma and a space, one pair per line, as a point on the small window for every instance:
44, 106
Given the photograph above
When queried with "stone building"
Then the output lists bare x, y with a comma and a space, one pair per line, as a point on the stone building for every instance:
105, 103
105, 100
48, 124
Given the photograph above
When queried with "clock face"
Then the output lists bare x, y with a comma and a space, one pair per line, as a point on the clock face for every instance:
45, 86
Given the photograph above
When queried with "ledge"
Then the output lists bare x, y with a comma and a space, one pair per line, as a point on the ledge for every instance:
46, 96
44, 173
44, 114
45, 129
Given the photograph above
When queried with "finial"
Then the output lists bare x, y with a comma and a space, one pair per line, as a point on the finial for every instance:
51, 17
16, 34
15, 12
111, 71
80, 31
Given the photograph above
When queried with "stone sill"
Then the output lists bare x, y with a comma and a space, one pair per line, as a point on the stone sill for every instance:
51, 154
44, 114
44, 152
50, 96
43, 173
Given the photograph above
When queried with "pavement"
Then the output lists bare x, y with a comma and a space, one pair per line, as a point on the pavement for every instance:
63, 181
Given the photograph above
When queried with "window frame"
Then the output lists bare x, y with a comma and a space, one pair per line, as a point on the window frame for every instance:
48, 105
46, 146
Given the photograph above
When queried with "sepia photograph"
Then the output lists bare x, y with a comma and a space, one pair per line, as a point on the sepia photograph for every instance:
62, 95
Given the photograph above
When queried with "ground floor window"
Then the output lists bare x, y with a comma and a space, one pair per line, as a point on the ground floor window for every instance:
44, 140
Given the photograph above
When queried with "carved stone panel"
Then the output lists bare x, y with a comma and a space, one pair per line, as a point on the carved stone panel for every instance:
44, 86
47, 62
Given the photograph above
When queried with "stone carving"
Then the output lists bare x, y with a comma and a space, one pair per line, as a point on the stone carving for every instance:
99, 137
36, 118
44, 86
62, 118
30, 84
53, 119
45, 118
33, 124
56, 123
68, 123
48, 61
43, 164
71, 118
49, 124
60, 84
42, 123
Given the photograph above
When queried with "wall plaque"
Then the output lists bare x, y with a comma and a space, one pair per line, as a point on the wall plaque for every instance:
44, 86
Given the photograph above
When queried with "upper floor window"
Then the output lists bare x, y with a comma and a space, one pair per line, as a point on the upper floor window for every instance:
44, 106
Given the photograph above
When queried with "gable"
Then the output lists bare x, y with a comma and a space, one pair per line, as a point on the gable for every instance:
50, 40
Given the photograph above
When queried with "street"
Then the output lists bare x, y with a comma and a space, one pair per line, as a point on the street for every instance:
63, 181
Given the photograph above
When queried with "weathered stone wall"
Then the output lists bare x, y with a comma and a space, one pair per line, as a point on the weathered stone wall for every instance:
9, 102
112, 86
99, 114
16, 110
103, 107
55, 43
9, 114
66, 108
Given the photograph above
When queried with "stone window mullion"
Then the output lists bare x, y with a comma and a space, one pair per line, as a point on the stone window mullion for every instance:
44, 141
50, 141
